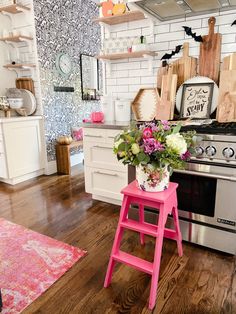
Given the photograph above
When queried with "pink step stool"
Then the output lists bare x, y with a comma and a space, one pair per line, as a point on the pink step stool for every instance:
166, 202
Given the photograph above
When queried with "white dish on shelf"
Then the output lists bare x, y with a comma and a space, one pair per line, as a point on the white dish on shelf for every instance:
198, 79
29, 103
15, 103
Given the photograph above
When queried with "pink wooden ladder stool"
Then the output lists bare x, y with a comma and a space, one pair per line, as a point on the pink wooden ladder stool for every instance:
166, 202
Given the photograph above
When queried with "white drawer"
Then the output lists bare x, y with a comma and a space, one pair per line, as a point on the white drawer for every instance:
3, 167
101, 155
94, 135
105, 183
111, 134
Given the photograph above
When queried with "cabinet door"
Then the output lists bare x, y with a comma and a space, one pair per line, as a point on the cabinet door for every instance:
101, 155
3, 168
23, 147
105, 183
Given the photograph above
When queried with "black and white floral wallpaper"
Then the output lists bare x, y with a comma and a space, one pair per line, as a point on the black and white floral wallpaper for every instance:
64, 26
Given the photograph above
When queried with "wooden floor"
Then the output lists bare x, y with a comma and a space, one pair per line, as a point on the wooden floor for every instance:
202, 281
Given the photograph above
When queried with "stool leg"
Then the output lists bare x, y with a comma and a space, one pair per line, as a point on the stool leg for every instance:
157, 259
117, 240
141, 219
177, 229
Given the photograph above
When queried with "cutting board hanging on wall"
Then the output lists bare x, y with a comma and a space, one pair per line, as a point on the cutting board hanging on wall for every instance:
161, 72
166, 103
226, 110
185, 67
210, 52
25, 83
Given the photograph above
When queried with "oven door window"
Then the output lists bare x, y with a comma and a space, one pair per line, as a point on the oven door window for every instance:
196, 194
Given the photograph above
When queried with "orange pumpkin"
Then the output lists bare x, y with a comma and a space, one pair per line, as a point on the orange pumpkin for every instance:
107, 8
119, 9
64, 140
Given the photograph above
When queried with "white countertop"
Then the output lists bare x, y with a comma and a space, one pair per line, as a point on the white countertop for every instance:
107, 125
19, 118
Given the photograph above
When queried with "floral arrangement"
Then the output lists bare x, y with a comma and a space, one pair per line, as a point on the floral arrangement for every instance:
156, 143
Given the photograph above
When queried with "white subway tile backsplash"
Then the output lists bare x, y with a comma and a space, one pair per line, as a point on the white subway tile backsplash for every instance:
162, 29
169, 36
128, 76
127, 81
175, 27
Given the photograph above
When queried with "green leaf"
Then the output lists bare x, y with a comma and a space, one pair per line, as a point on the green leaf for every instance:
176, 129
141, 156
122, 147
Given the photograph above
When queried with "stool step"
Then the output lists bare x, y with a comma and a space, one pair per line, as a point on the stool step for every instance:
134, 261
147, 228
143, 227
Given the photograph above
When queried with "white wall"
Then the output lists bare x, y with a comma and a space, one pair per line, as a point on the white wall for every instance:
25, 24
127, 76
6, 77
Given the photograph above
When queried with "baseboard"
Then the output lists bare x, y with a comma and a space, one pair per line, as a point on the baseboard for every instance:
23, 178
106, 199
51, 166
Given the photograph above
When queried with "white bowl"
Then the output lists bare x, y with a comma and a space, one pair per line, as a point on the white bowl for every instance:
15, 103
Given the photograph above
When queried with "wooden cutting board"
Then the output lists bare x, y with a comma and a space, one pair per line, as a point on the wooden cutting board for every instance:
185, 67
25, 83
226, 110
210, 52
166, 103
229, 62
161, 72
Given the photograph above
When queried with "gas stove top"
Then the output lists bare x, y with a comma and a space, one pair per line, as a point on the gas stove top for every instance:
213, 128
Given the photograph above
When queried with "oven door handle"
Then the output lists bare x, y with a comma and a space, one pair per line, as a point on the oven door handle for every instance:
207, 175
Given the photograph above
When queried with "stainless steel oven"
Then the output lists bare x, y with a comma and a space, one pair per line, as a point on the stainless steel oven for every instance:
207, 194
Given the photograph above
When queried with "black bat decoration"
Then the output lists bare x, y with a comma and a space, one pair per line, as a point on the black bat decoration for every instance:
188, 31
234, 23
170, 55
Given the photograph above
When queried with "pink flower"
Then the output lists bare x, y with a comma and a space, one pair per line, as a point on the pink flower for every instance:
166, 125
186, 156
151, 145
147, 133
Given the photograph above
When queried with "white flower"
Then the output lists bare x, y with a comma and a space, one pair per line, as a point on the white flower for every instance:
135, 149
116, 145
177, 143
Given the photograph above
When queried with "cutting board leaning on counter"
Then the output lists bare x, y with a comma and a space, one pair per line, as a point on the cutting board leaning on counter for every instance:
174, 75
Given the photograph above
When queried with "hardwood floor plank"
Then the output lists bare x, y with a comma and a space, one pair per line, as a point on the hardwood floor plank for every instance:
203, 281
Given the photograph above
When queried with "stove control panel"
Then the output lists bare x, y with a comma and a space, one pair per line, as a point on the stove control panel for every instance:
228, 152
199, 151
215, 149
210, 151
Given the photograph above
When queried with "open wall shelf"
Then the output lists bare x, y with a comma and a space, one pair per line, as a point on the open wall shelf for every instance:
21, 66
126, 55
118, 19
16, 39
14, 9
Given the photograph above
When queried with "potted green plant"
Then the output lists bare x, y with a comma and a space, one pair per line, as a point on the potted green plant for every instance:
155, 149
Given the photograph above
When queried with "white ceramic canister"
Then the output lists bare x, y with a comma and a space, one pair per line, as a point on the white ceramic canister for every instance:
108, 108
122, 110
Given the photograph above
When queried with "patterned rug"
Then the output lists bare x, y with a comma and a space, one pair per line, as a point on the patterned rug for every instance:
29, 264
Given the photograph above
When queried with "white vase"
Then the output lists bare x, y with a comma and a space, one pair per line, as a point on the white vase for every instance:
152, 180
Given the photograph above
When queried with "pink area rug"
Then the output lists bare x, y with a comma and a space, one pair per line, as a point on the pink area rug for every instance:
29, 264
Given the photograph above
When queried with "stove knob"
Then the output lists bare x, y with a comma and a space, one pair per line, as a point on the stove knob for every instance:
228, 152
199, 151
210, 151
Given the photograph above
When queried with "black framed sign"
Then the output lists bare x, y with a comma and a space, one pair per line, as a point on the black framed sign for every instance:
196, 100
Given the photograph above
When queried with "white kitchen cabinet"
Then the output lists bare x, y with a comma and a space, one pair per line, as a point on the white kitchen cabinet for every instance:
104, 175
21, 149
